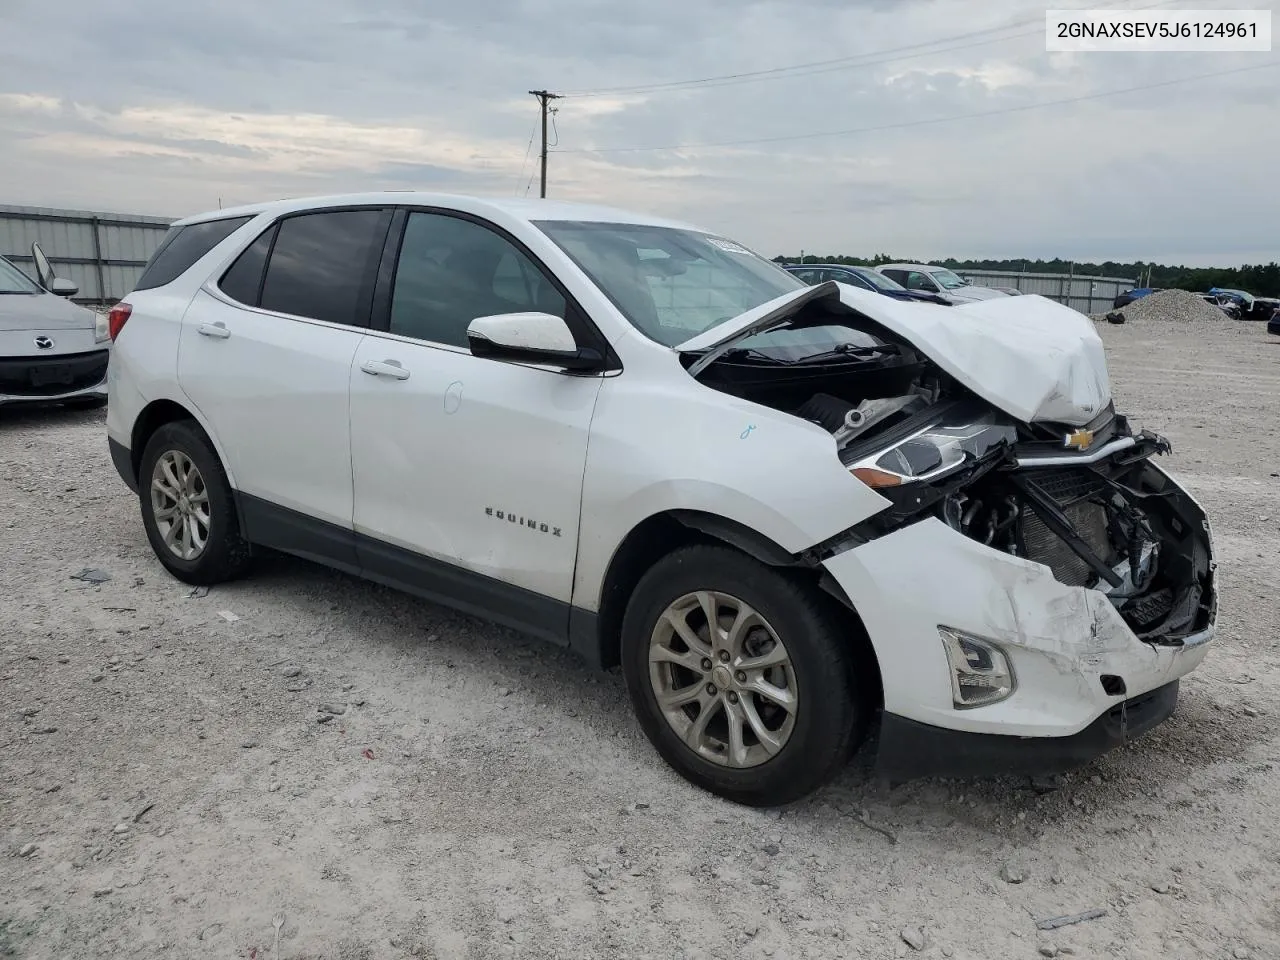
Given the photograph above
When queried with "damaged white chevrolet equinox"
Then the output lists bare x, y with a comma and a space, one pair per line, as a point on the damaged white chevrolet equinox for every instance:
796, 516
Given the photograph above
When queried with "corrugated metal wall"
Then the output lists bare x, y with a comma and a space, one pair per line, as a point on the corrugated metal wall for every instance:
1084, 293
102, 253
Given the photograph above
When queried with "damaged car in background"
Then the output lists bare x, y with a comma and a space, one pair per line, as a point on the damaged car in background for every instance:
801, 518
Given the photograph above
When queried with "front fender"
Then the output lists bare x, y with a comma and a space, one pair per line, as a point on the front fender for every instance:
656, 450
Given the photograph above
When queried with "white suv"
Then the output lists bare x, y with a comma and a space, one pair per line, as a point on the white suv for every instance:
793, 514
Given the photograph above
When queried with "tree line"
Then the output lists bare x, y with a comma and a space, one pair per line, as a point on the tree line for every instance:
1262, 280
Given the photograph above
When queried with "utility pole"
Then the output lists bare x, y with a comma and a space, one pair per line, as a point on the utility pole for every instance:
543, 99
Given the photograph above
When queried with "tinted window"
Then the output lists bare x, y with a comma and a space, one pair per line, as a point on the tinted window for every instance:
244, 280
321, 265
918, 281
451, 271
183, 246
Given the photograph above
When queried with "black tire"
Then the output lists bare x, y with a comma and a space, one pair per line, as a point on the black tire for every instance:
831, 712
226, 554
86, 403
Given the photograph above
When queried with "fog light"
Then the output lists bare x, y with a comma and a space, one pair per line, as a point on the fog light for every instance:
980, 672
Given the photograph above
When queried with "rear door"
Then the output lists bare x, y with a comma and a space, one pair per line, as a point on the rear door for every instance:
266, 356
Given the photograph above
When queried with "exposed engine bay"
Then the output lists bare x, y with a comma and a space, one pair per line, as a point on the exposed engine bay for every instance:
1085, 502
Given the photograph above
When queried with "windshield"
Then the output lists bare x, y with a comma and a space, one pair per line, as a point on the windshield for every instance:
670, 284
13, 280
948, 280
878, 280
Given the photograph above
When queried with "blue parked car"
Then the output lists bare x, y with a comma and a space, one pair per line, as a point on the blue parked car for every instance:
1137, 293
863, 277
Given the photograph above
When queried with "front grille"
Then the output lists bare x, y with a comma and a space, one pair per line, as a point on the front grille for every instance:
1072, 490
52, 375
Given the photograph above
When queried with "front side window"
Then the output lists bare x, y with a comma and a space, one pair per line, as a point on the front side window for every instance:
452, 270
320, 266
183, 246
13, 280
918, 281
671, 284
947, 280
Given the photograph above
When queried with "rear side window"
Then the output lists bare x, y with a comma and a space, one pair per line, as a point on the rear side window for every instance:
183, 246
243, 281
322, 265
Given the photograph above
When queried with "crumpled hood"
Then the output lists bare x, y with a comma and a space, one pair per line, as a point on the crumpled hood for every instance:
42, 311
1028, 356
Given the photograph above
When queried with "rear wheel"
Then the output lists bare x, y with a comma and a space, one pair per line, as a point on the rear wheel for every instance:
742, 677
187, 507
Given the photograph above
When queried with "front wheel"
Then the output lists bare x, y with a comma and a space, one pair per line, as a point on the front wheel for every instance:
187, 507
742, 677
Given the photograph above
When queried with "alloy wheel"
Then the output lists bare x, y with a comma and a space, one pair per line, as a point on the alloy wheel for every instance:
180, 505
723, 679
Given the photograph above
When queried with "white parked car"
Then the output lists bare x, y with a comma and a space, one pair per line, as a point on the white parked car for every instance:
792, 514
51, 350
939, 281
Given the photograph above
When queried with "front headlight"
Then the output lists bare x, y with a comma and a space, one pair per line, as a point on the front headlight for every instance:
980, 672
101, 331
932, 451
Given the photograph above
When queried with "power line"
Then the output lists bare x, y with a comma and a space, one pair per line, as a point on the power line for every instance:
921, 123
844, 63
527, 150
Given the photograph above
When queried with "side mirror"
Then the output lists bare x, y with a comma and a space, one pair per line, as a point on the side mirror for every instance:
44, 272
538, 338
63, 288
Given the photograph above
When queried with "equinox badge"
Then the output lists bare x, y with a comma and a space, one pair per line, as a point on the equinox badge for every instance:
1078, 439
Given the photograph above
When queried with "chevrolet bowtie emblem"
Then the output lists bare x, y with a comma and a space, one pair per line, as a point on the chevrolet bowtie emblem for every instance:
1078, 440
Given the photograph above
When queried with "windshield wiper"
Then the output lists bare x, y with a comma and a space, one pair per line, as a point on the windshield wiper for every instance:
850, 350
749, 353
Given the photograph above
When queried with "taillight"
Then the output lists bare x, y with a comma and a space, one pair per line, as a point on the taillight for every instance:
116, 319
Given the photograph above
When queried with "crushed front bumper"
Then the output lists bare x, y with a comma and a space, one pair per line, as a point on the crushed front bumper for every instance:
907, 749
1067, 645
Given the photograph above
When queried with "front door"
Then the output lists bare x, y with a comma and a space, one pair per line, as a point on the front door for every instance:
468, 471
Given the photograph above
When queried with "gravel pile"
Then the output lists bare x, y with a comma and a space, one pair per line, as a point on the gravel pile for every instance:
1180, 306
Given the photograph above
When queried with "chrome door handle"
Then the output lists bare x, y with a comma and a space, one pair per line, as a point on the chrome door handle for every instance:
217, 330
385, 368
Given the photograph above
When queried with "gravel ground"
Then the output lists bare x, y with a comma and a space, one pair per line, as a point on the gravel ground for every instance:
402, 781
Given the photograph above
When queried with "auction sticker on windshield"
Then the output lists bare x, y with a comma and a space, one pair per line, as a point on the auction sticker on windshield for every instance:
1084, 31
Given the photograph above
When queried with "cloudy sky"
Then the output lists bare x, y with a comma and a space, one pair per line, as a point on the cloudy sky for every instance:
163, 107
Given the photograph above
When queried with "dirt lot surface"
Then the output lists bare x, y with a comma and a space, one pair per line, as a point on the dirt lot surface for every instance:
167, 784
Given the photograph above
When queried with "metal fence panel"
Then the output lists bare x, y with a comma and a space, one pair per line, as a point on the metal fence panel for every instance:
102, 253
1088, 294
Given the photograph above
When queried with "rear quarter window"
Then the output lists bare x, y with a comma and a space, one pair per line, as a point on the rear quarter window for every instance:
183, 246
